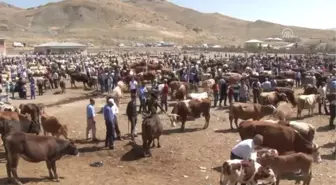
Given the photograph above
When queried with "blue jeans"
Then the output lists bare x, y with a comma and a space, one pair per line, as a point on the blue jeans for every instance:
109, 140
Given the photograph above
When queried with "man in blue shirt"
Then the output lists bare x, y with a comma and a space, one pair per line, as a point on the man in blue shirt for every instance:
109, 121
91, 123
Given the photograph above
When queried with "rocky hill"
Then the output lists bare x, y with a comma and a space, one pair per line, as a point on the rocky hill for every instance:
112, 21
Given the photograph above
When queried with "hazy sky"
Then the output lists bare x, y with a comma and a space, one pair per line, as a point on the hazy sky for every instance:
306, 13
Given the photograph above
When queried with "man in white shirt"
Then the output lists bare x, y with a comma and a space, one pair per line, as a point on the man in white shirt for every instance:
115, 111
55, 79
323, 92
267, 86
245, 148
133, 85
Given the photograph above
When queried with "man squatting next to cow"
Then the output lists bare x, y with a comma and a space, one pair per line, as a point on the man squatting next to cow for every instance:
245, 148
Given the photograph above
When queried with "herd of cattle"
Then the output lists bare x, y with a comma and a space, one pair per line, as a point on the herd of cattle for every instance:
291, 143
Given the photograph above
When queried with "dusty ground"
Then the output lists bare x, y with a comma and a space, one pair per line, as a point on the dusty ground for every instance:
177, 162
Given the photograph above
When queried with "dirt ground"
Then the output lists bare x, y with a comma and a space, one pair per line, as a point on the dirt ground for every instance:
193, 157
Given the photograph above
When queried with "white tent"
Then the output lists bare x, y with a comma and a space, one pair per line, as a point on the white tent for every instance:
269, 39
277, 39
254, 41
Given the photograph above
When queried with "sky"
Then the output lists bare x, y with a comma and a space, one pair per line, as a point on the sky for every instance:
305, 13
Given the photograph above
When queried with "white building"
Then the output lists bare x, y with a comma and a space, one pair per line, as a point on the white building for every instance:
60, 48
252, 43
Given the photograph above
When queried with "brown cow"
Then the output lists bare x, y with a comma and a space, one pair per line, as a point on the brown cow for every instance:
289, 93
289, 163
35, 149
151, 129
175, 85
249, 111
282, 138
50, 124
272, 98
191, 109
32, 109
310, 89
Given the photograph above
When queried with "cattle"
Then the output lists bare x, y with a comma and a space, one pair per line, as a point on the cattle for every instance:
117, 92
197, 95
180, 93
207, 85
282, 138
151, 129
34, 110
289, 93
35, 149
307, 102
272, 98
284, 82
289, 163
13, 121
50, 124
245, 172
310, 89
8, 107
79, 77
191, 109
148, 76
305, 129
175, 85
249, 111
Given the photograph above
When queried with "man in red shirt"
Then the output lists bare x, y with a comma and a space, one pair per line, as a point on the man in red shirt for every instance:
164, 95
215, 90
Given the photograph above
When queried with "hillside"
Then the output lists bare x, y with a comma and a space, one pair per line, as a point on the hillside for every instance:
111, 21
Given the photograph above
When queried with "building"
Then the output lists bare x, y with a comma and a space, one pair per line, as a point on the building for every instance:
2, 47
60, 48
253, 43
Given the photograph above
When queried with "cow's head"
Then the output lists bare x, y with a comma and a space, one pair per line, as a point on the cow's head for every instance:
316, 153
282, 97
71, 149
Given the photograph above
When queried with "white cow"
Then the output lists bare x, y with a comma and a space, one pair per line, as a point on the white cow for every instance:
197, 95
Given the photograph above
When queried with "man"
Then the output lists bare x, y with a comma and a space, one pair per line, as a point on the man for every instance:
131, 113
32, 88
245, 148
243, 92
298, 79
323, 92
164, 95
256, 89
142, 96
115, 111
55, 79
152, 104
91, 123
133, 85
266, 86
215, 90
109, 119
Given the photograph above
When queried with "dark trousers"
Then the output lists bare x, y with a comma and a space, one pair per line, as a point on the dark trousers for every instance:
297, 82
235, 97
133, 121
40, 89
32, 94
215, 98
222, 97
109, 139
233, 156
142, 104
325, 107
56, 83
256, 95
164, 104
243, 99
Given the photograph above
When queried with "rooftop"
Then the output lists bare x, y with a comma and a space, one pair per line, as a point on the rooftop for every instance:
61, 44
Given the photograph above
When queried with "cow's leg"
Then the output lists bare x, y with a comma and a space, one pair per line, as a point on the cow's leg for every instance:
53, 167
148, 147
236, 122
153, 143
183, 125
158, 142
277, 180
13, 166
51, 176
231, 119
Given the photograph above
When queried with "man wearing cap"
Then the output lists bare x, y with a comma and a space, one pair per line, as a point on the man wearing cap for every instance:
115, 111
245, 148
131, 113
109, 121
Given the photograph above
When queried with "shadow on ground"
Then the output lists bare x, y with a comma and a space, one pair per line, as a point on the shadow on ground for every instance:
134, 154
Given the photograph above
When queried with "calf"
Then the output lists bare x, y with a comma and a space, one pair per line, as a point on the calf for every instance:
247, 172
50, 124
35, 149
289, 163
151, 129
